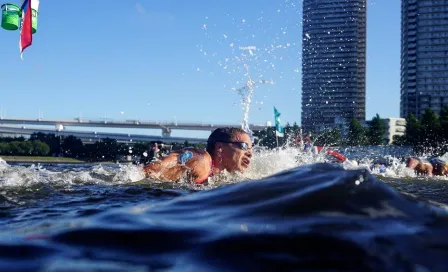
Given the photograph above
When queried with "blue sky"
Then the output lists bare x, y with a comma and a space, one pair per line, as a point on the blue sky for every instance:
178, 60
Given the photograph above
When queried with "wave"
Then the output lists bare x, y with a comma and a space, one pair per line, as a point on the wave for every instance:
318, 216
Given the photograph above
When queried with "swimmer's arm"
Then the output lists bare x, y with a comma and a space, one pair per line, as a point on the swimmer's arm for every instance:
169, 169
166, 169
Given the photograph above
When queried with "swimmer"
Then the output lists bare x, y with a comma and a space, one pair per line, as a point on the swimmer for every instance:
440, 166
434, 166
227, 149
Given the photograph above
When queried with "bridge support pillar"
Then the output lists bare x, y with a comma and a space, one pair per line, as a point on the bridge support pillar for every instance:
59, 127
166, 132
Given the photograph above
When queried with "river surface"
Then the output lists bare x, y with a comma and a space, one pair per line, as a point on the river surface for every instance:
285, 214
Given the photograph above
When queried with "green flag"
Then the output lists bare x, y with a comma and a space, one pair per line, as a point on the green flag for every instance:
279, 131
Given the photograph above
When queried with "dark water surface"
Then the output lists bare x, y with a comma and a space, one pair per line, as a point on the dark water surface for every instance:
315, 217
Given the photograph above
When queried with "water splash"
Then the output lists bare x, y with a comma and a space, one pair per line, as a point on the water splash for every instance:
265, 162
252, 54
28, 176
246, 94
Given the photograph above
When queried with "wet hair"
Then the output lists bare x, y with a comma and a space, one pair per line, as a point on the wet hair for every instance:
221, 134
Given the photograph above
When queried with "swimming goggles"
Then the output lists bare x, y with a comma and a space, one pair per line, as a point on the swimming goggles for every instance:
241, 145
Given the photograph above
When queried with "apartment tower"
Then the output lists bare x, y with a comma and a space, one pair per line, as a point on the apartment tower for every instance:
424, 56
333, 63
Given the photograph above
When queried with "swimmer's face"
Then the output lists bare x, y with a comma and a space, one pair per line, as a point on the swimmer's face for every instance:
236, 154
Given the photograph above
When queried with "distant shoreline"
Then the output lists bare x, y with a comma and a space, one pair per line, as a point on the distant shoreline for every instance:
50, 160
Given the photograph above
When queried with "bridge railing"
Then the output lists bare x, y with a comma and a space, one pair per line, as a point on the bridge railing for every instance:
127, 122
166, 123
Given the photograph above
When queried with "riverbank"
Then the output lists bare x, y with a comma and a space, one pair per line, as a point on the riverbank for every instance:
53, 160
36, 159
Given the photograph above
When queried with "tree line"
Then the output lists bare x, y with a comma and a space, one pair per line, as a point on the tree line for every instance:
373, 134
40, 144
356, 135
20, 147
427, 135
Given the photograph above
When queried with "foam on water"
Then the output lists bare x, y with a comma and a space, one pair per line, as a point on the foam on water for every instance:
265, 162
22, 176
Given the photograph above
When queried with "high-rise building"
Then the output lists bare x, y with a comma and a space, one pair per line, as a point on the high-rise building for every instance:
424, 56
333, 63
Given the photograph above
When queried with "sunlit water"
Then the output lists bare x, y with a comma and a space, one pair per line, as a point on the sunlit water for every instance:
289, 211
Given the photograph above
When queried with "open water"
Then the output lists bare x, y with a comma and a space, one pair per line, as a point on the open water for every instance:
288, 213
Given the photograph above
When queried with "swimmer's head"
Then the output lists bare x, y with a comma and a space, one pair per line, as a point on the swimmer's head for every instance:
230, 148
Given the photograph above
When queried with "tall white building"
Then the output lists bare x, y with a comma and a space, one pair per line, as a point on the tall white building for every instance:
395, 126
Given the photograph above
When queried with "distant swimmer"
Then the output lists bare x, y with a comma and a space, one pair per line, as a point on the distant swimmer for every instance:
309, 147
433, 166
227, 149
440, 166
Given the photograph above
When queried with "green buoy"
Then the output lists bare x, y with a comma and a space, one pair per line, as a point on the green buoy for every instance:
10, 16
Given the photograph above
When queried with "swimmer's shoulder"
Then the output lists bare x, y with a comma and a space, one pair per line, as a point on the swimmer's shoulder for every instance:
198, 161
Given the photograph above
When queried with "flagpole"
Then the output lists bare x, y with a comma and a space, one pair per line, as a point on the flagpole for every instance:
276, 138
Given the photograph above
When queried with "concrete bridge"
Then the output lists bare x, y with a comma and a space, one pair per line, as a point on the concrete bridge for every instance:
166, 127
89, 136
